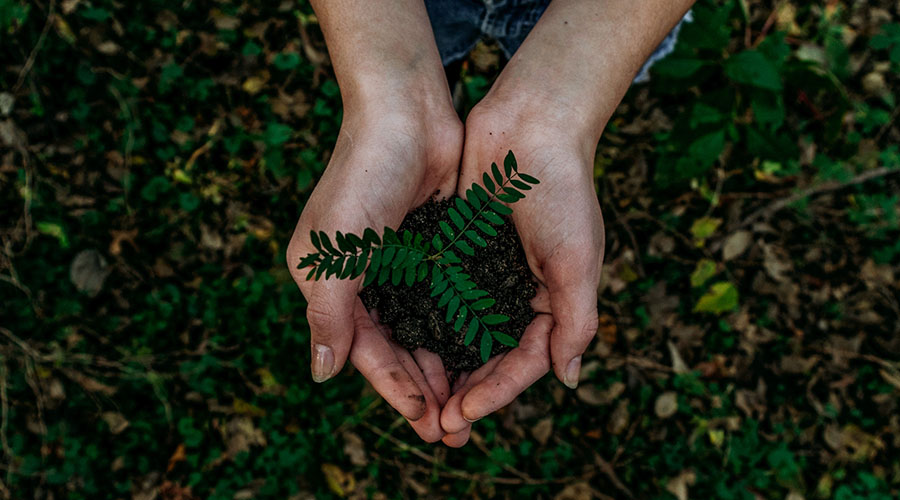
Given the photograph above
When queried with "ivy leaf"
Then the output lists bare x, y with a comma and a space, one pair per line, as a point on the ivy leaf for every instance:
751, 67
721, 297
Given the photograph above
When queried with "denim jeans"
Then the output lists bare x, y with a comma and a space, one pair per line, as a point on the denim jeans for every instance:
459, 24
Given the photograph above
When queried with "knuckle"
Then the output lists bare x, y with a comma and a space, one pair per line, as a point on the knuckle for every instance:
322, 314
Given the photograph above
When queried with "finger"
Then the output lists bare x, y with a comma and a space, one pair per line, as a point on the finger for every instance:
331, 326
459, 439
452, 420
541, 301
376, 360
573, 300
429, 426
330, 310
433, 369
521, 367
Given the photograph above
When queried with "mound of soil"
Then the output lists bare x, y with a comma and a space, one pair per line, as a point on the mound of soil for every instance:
413, 315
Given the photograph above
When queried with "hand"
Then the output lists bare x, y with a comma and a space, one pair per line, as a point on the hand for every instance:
385, 163
561, 229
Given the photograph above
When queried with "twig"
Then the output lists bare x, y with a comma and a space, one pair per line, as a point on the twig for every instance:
818, 189
624, 223
508, 468
886, 126
459, 474
37, 47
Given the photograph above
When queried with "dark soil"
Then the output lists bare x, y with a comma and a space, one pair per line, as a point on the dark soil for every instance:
414, 317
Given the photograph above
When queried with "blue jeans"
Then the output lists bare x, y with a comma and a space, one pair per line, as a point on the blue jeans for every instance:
459, 24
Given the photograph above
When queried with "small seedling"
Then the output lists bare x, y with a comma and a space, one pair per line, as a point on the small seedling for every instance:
407, 258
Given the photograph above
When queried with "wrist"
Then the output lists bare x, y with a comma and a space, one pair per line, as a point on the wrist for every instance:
545, 118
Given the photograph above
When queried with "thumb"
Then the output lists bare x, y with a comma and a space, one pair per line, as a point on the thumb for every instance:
573, 302
329, 313
330, 317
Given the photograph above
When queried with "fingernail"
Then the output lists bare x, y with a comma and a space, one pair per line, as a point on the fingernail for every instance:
471, 421
572, 372
322, 363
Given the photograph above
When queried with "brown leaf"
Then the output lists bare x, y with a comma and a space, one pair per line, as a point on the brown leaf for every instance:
340, 482
116, 421
542, 430
619, 419
678, 485
735, 244
575, 491
678, 364
88, 272
355, 449
178, 456
594, 396
666, 404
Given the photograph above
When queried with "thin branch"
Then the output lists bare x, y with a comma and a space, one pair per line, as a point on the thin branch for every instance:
37, 47
824, 187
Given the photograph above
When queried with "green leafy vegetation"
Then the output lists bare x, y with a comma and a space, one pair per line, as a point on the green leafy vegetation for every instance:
408, 258
155, 156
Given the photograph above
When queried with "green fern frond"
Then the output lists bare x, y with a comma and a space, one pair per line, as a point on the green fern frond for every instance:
406, 258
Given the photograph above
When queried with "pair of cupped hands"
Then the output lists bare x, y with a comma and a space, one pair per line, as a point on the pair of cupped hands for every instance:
391, 157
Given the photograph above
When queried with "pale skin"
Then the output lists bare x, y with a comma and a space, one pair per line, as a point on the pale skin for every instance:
401, 141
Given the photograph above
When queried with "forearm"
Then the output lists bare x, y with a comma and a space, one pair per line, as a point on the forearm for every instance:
579, 60
383, 52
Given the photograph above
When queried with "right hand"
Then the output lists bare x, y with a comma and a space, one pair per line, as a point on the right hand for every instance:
385, 163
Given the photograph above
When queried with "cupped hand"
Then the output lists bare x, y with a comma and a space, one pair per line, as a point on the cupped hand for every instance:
561, 228
384, 164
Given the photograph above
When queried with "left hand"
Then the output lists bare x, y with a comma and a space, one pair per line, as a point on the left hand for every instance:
561, 228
